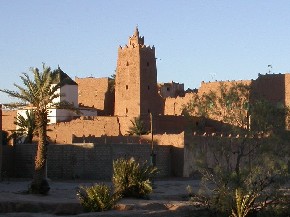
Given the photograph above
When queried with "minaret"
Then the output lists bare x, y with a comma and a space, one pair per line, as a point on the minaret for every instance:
136, 90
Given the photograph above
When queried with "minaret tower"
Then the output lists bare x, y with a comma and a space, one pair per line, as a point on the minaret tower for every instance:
136, 90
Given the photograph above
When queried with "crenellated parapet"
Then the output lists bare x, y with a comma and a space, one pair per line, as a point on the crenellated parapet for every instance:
126, 48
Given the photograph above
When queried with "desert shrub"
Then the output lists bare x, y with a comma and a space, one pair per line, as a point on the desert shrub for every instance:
97, 198
244, 179
132, 179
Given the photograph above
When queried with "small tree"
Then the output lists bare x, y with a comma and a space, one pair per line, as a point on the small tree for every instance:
112, 81
132, 179
26, 126
97, 198
137, 127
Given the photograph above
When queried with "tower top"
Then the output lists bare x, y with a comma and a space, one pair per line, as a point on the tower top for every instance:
136, 33
135, 39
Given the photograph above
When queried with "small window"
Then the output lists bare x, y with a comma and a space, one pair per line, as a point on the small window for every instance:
148, 64
127, 87
168, 88
148, 87
127, 64
126, 111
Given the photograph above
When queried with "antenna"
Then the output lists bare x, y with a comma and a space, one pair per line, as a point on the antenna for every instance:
270, 68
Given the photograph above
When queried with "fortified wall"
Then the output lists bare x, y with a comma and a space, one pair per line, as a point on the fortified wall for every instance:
99, 129
83, 160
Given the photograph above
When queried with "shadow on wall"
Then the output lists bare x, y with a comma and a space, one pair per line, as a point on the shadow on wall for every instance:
85, 161
111, 139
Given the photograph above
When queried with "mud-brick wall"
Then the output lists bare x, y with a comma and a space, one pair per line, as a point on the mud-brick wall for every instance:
86, 161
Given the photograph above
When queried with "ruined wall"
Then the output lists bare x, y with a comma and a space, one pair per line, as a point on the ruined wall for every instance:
95, 92
86, 161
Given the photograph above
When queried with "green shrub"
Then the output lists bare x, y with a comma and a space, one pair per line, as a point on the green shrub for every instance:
132, 179
97, 198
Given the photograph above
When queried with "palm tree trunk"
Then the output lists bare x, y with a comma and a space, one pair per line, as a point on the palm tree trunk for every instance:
39, 184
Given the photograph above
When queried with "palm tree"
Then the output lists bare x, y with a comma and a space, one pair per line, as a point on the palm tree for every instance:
40, 94
26, 126
137, 127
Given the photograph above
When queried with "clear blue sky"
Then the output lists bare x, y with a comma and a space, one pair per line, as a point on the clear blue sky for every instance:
195, 40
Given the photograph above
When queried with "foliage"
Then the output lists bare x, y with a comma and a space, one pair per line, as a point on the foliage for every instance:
132, 179
97, 198
138, 127
39, 93
26, 126
3, 137
267, 117
238, 182
112, 81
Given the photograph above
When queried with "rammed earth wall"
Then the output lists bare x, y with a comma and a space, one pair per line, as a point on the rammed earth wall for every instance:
83, 161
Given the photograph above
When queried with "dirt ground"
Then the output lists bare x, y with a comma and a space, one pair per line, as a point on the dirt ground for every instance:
167, 199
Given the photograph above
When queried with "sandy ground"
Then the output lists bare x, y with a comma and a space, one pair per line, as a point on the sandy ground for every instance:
167, 199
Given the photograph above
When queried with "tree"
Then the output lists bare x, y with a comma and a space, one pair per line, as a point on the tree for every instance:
243, 174
137, 127
40, 94
26, 126
112, 81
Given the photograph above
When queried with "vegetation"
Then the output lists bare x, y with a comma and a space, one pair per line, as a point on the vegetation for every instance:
26, 126
137, 127
245, 174
112, 81
97, 198
4, 137
132, 179
39, 93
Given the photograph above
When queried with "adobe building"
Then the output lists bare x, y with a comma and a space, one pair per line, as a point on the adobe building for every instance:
136, 91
